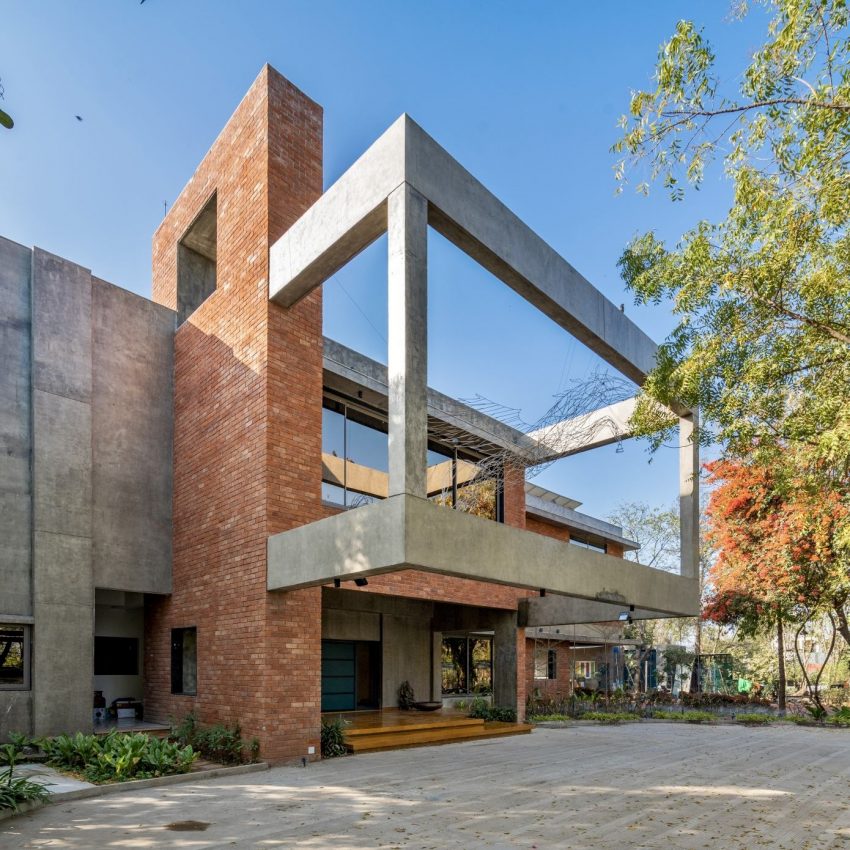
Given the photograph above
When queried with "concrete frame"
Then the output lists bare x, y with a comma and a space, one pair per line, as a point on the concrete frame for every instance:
404, 182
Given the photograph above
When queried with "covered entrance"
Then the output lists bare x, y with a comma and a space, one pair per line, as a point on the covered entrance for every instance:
351, 675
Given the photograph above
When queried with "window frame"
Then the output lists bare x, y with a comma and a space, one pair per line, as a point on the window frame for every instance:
179, 655
26, 660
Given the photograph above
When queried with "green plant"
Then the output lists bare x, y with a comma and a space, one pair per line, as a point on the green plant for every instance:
73, 752
482, 710
405, 695
668, 715
816, 712
333, 738
698, 717
754, 719
461, 705
608, 717
219, 742
16, 790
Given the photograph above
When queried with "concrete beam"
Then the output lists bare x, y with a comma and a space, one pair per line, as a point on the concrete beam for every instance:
565, 611
352, 214
689, 512
403, 532
591, 430
407, 347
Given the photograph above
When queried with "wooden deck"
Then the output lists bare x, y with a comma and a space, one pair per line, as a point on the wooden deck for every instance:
393, 729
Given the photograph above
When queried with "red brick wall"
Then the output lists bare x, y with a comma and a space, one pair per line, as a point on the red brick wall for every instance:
247, 399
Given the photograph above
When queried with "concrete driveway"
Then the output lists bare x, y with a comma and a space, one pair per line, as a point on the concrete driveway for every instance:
633, 786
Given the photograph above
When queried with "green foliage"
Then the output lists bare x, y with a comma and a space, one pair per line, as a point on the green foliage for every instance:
218, 742
754, 719
608, 717
698, 716
17, 790
840, 718
333, 738
550, 718
117, 757
668, 715
762, 344
816, 712
482, 710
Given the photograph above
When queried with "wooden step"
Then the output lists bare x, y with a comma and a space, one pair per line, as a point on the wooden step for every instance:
417, 726
444, 735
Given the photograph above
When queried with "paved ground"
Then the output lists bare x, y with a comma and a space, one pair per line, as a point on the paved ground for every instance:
633, 786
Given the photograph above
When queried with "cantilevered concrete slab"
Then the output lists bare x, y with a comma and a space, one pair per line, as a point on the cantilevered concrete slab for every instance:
405, 532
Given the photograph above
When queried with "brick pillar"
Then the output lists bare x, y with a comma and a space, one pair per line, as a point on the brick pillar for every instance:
247, 434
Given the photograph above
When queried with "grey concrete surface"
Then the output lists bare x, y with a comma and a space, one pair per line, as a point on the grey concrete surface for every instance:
606, 788
15, 434
132, 431
404, 531
407, 346
85, 468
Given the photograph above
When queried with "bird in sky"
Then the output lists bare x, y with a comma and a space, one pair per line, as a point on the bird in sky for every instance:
78, 117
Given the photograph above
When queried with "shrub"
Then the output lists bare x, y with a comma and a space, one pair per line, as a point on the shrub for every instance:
754, 719
219, 742
117, 757
610, 717
406, 697
668, 715
698, 717
333, 738
481, 710
17, 790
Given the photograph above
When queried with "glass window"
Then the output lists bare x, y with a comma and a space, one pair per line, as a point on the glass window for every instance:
14, 657
467, 665
586, 544
184, 661
545, 663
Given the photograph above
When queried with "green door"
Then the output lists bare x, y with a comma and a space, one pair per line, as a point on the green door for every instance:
339, 675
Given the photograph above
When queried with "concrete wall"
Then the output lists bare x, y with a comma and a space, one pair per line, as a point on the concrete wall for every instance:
85, 468
132, 423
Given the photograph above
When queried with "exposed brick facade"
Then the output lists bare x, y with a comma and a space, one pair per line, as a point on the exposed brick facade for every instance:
247, 445
247, 434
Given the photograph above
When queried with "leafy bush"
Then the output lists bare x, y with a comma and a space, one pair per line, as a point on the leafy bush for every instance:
610, 717
840, 718
668, 715
406, 697
481, 710
698, 717
754, 719
117, 757
550, 718
333, 738
218, 743
17, 790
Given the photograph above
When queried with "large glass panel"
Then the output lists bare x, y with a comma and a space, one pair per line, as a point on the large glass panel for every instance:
367, 465
12, 671
455, 661
481, 662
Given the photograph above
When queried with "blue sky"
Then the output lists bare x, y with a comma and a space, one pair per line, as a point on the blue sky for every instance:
525, 95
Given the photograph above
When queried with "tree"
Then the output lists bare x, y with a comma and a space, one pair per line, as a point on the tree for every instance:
762, 298
655, 529
779, 558
5, 119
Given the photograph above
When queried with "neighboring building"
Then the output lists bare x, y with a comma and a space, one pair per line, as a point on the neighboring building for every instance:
178, 476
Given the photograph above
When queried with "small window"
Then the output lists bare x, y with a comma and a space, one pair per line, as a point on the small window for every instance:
196, 261
14, 657
184, 661
585, 543
116, 656
545, 663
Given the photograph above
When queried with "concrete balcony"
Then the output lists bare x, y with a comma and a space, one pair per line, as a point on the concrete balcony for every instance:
406, 532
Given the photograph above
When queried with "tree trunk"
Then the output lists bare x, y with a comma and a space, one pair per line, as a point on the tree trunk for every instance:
842, 625
780, 650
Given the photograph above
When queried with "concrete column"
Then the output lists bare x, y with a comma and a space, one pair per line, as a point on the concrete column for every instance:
505, 670
63, 593
689, 495
407, 355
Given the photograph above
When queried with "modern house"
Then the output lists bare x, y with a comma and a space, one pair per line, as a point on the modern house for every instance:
207, 506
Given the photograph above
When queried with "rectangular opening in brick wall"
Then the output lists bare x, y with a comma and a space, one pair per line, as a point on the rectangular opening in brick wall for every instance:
196, 261
184, 661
